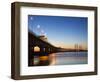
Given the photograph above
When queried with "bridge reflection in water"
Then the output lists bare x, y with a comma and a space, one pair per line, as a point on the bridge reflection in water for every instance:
44, 60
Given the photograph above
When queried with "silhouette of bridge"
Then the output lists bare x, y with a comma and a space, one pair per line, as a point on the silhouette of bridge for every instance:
44, 47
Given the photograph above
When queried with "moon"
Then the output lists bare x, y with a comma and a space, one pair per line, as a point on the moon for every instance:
38, 26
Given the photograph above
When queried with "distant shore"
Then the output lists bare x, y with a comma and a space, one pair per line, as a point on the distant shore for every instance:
74, 51
70, 50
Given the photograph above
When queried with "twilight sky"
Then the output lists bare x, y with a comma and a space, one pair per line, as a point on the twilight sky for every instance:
61, 31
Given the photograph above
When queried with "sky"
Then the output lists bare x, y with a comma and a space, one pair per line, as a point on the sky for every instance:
61, 31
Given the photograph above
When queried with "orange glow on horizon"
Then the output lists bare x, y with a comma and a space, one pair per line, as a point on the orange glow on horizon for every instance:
69, 46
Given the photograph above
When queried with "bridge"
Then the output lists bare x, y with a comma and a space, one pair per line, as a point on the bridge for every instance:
38, 47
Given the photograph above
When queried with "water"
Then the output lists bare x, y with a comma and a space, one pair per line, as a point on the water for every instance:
69, 58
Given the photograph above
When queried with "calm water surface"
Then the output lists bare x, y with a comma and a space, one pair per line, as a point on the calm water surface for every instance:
68, 58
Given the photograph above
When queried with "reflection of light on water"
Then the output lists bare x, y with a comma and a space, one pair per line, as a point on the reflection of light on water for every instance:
36, 60
52, 59
43, 58
68, 58
61, 58
40, 59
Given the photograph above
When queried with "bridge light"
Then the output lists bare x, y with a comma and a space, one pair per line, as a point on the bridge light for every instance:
36, 49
